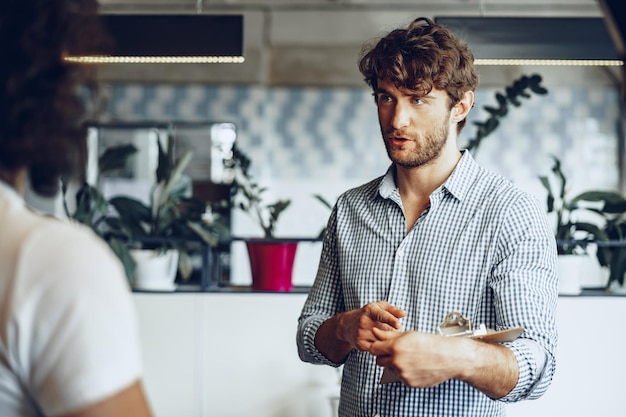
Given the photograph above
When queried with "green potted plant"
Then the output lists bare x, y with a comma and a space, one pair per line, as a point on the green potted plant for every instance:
612, 255
171, 222
247, 195
168, 227
92, 208
611, 247
271, 258
573, 236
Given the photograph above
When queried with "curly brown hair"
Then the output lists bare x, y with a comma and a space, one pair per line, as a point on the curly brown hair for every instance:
43, 99
420, 57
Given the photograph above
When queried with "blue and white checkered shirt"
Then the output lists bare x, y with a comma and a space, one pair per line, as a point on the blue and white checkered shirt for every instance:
483, 248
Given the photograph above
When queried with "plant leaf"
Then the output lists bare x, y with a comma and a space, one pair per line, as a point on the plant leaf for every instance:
511, 94
176, 174
164, 165
185, 267
121, 250
593, 231
322, 200
277, 208
533, 84
132, 214
90, 205
492, 110
207, 236
115, 157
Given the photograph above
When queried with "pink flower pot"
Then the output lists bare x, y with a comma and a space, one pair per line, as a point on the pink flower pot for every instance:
271, 264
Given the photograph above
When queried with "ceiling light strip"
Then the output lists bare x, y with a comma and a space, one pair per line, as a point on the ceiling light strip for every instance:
551, 62
155, 59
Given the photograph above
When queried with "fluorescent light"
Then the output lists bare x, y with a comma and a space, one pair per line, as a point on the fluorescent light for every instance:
155, 59
551, 62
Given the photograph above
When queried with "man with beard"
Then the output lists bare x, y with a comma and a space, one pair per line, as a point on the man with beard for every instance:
436, 234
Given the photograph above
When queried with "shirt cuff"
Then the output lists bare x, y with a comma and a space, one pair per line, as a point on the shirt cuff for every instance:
306, 342
529, 372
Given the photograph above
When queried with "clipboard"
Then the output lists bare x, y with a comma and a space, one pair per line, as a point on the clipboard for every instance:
455, 325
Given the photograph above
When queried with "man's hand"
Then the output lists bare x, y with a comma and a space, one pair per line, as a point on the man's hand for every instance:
352, 329
419, 359
423, 360
356, 326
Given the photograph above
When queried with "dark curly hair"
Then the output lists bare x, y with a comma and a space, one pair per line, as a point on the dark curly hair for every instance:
420, 57
43, 99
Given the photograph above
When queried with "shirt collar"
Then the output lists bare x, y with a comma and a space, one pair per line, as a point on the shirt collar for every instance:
388, 184
458, 183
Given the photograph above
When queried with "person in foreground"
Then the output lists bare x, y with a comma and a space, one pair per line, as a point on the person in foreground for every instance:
436, 234
69, 342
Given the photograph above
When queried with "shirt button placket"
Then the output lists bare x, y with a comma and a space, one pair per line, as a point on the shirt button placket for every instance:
377, 395
395, 289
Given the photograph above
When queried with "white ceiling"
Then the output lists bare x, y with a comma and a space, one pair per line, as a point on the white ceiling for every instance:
314, 42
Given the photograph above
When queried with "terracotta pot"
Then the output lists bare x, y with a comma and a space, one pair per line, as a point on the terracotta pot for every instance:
271, 264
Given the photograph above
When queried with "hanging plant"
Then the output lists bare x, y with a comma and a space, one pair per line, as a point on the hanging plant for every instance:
512, 95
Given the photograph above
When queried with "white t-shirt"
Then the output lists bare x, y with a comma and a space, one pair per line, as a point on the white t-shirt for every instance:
68, 326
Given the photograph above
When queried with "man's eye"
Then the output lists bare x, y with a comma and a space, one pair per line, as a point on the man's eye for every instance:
384, 98
417, 100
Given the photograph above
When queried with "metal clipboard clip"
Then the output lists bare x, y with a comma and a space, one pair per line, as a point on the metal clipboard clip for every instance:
454, 325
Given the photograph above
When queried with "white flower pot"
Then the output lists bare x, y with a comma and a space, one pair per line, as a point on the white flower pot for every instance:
577, 271
155, 270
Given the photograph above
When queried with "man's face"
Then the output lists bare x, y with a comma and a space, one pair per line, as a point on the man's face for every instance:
415, 128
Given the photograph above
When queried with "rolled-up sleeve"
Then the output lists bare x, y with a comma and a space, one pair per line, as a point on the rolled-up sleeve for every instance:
525, 289
324, 300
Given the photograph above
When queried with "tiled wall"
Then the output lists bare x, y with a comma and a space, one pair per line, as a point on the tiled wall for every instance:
330, 134
304, 141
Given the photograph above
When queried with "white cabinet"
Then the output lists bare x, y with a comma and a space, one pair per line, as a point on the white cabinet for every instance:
591, 362
171, 346
229, 355
234, 355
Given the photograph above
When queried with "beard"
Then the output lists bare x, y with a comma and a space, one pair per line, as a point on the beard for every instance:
418, 151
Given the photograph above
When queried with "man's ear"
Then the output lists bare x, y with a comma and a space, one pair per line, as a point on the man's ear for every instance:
462, 108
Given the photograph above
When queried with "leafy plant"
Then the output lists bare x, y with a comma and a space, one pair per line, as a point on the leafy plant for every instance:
170, 221
612, 254
511, 95
92, 208
326, 204
247, 195
572, 235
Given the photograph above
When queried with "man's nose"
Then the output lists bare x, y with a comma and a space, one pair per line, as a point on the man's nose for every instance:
401, 116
